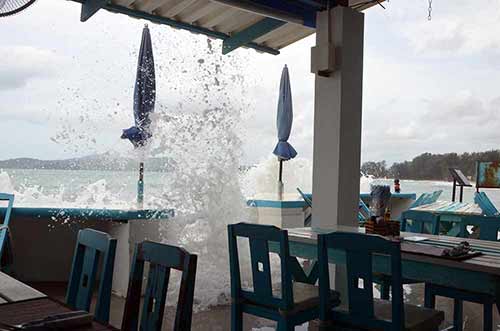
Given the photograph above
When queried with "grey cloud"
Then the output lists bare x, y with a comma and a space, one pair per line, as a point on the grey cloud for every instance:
21, 64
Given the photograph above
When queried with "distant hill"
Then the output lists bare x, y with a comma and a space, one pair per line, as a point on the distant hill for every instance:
105, 161
429, 166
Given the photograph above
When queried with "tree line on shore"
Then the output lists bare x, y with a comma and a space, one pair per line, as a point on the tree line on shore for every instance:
428, 166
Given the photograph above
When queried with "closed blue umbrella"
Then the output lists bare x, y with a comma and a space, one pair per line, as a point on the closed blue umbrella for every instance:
283, 150
144, 103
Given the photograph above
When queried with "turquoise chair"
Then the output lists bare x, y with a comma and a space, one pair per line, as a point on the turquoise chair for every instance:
5, 249
488, 230
297, 303
90, 246
364, 312
485, 204
161, 259
364, 212
308, 201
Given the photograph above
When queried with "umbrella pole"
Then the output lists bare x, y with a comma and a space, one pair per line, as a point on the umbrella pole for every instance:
140, 187
280, 181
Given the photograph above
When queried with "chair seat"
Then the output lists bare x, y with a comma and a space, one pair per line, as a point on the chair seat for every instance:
379, 278
416, 318
305, 296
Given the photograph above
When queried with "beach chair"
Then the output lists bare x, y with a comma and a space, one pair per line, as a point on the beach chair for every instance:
488, 230
308, 201
363, 311
485, 204
364, 212
5, 244
297, 302
90, 246
161, 259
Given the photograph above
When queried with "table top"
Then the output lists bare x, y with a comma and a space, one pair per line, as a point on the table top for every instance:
26, 311
20, 303
448, 207
12, 290
488, 262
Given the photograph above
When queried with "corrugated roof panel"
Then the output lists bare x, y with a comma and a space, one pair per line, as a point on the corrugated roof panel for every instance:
226, 18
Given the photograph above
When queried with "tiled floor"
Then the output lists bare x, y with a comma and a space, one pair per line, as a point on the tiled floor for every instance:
218, 318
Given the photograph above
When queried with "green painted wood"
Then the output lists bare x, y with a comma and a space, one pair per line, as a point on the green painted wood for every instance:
359, 252
92, 244
114, 8
115, 215
251, 33
473, 281
90, 7
5, 248
161, 259
260, 301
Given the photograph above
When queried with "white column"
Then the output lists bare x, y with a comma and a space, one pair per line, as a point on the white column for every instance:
337, 61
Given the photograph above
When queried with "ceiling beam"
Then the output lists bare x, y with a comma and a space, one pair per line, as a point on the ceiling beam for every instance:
251, 33
90, 7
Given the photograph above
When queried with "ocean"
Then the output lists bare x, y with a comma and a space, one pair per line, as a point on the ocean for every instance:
108, 189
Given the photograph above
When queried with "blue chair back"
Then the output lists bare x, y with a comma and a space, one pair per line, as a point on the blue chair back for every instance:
359, 250
485, 204
488, 227
420, 222
92, 244
426, 198
161, 259
259, 238
4, 225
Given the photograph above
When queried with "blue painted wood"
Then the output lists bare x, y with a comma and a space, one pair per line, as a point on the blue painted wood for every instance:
92, 244
5, 249
418, 222
251, 33
161, 259
485, 204
114, 8
115, 215
306, 197
488, 230
260, 300
359, 250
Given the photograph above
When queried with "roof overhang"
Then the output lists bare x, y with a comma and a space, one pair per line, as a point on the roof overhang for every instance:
264, 25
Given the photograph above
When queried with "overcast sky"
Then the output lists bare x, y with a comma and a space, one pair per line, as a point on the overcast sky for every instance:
429, 86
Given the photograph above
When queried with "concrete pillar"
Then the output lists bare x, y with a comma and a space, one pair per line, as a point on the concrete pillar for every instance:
337, 61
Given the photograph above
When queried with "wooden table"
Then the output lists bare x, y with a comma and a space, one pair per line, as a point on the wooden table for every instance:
451, 213
20, 303
478, 275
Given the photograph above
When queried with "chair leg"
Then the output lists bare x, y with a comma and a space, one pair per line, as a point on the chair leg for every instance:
458, 314
385, 289
236, 317
430, 298
488, 317
285, 325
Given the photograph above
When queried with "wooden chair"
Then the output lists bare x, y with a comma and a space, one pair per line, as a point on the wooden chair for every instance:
5, 249
90, 245
297, 302
364, 312
488, 230
485, 204
161, 259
